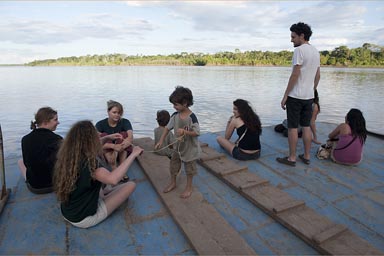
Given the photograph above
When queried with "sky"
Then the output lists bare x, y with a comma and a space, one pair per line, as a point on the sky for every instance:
37, 30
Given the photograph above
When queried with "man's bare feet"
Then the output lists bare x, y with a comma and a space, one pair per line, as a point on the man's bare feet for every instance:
170, 187
187, 193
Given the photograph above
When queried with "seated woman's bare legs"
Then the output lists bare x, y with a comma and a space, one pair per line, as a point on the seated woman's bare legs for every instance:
226, 144
22, 168
111, 158
118, 195
122, 156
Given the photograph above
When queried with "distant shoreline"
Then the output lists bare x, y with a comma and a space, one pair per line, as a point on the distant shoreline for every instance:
366, 56
164, 65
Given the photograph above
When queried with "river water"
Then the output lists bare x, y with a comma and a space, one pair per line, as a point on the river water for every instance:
82, 92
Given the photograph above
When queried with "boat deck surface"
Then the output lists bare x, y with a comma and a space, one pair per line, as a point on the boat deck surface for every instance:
352, 196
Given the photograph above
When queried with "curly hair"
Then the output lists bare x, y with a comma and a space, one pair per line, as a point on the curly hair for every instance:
356, 121
302, 28
181, 95
249, 117
80, 148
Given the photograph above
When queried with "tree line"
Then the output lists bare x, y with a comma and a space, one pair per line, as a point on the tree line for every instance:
368, 55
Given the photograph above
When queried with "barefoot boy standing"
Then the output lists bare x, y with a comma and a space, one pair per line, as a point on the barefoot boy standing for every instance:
186, 129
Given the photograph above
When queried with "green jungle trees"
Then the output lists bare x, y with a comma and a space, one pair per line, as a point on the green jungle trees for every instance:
368, 55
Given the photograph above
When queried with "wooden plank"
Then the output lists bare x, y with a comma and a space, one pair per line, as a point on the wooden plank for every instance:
205, 228
252, 181
329, 233
347, 243
245, 180
4, 198
208, 153
305, 223
316, 230
288, 206
223, 166
268, 197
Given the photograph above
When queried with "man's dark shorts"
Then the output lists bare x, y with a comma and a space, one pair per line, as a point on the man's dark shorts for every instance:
299, 112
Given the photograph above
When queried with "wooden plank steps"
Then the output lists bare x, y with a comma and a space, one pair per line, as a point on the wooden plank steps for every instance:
205, 228
316, 230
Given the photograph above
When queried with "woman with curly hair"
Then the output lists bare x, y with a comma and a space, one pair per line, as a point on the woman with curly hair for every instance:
248, 127
80, 173
350, 138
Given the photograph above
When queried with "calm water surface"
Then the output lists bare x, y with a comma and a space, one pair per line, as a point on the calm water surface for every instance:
82, 92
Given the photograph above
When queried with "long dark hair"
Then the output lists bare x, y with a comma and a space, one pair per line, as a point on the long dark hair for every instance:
356, 121
249, 117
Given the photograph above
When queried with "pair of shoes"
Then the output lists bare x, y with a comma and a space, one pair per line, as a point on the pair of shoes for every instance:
306, 161
285, 160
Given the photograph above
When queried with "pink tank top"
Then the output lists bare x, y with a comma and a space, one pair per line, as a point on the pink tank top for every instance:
352, 154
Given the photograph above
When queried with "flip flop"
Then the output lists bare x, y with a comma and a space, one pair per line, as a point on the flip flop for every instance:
306, 161
284, 160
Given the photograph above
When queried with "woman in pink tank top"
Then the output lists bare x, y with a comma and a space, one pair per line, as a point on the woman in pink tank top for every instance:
350, 137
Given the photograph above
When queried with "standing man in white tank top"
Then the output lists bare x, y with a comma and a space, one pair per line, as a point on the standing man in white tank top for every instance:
299, 94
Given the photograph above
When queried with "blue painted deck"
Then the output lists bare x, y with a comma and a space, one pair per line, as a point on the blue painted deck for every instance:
352, 196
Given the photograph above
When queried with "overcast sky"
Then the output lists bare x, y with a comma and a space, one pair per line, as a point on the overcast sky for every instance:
32, 30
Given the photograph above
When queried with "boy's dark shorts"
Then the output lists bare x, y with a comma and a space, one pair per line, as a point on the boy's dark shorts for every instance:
299, 112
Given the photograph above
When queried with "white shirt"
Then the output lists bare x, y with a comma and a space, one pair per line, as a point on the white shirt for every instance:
308, 57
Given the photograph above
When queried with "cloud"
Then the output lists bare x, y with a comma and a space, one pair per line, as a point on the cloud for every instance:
333, 15
143, 3
163, 27
98, 26
17, 56
229, 16
262, 17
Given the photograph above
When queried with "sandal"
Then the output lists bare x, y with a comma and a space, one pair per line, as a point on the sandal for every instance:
124, 179
306, 161
284, 160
